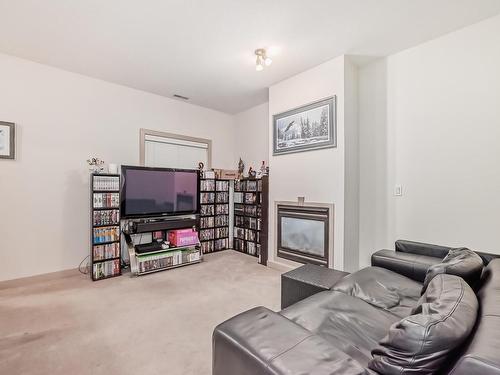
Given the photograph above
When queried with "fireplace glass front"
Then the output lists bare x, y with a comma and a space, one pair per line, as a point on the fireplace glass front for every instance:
304, 235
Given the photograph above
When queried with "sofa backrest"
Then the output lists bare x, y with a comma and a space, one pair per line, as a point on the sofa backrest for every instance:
437, 251
480, 355
422, 248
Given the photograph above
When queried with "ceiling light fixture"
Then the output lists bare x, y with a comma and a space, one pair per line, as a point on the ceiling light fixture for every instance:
262, 59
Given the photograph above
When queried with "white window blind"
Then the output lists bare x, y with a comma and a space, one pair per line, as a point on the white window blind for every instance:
174, 153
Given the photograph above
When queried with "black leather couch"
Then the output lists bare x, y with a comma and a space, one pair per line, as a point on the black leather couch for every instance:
378, 320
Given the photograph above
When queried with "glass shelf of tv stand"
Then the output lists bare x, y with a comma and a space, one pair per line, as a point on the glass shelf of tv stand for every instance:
179, 248
171, 267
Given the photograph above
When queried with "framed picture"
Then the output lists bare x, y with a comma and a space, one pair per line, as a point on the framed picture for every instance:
7, 140
309, 127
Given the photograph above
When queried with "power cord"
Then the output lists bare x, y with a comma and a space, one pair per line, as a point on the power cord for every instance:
86, 270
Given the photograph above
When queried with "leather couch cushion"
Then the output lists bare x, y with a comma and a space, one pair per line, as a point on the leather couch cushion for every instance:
489, 293
481, 353
460, 262
383, 289
348, 323
420, 343
314, 356
262, 342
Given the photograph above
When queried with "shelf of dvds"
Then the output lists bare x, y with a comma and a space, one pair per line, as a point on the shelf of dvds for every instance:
251, 217
105, 249
105, 260
166, 259
214, 214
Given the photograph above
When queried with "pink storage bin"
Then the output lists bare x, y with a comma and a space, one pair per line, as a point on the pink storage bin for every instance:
183, 237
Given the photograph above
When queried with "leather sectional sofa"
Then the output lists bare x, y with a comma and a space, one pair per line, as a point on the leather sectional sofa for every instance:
422, 309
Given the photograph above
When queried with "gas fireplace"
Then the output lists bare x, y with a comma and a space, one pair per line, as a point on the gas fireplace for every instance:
303, 233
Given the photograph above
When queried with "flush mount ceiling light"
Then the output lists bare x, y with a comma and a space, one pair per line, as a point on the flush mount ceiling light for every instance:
262, 59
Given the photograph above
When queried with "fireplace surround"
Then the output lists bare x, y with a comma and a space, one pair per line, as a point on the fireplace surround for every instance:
303, 233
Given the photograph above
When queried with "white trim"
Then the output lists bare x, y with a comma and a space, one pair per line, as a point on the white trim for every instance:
175, 141
147, 133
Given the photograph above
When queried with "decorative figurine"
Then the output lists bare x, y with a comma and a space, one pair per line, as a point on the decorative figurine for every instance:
263, 167
96, 165
241, 168
251, 173
200, 169
263, 170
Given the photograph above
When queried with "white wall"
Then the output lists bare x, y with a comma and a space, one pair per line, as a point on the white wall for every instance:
436, 121
252, 136
64, 118
317, 175
374, 193
429, 119
351, 181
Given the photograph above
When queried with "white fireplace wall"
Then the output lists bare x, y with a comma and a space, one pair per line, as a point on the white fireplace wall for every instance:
317, 175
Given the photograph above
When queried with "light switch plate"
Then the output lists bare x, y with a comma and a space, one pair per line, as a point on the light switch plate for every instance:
398, 190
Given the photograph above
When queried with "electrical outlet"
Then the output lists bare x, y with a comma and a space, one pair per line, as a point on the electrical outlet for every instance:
398, 190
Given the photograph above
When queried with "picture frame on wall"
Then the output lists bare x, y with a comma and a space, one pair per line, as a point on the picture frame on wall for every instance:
309, 127
7, 140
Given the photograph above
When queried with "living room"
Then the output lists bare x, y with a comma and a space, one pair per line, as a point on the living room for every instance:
306, 154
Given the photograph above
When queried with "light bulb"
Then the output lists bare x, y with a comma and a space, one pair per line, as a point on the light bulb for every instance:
268, 61
259, 67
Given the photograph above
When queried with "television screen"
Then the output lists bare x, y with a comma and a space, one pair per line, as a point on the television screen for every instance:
158, 191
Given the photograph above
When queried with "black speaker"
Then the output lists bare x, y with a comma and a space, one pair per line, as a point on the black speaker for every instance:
151, 226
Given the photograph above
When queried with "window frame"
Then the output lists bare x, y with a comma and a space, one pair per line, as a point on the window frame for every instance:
145, 132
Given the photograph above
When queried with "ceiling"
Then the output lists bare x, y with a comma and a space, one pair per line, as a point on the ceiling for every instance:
204, 49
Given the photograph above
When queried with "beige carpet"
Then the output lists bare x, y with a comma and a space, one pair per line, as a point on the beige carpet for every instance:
156, 324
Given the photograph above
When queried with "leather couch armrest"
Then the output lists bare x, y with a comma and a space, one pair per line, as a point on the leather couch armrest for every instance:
410, 265
262, 342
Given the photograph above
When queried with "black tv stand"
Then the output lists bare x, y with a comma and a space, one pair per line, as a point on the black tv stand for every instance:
144, 262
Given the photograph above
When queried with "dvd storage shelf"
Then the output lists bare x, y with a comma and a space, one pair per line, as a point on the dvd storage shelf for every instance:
166, 259
251, 216
214, 214
105, 259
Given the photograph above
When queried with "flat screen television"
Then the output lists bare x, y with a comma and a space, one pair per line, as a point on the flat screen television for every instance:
159, 191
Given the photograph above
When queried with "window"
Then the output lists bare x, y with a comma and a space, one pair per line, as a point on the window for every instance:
159, 149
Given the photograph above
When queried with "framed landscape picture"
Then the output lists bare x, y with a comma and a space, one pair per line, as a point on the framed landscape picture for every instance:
309, 127
7, 140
